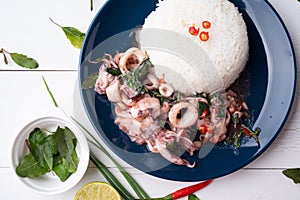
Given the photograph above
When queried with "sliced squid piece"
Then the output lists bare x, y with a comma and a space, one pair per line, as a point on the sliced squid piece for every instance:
183, 115
130, 59
146, 106
166, 89
113, 92
103, 81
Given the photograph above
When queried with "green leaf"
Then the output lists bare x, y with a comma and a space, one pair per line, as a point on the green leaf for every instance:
46, 150
134, 79
74, 35
114, 71
43, 149
293, 174
24, 61
90, 81
66, 144
36, 137
30, 167
193, 197
60, 170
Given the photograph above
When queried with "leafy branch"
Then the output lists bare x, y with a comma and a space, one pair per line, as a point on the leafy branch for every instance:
20, 59
75, 36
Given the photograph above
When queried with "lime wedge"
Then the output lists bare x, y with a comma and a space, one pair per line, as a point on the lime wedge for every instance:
97, 191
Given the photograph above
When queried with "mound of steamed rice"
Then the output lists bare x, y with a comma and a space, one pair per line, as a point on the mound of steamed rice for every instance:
227, 46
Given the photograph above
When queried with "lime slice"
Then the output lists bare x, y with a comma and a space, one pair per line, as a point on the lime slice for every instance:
97, 191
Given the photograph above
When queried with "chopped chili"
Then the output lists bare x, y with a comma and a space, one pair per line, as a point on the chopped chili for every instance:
204, 36
204, 113
206, 24
193, 30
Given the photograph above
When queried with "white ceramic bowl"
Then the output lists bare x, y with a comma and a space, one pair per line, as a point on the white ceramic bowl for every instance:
50, 183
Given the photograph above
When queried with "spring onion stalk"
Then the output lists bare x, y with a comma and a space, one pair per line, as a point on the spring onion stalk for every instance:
50, 93
110, 177
91, 5
135, 186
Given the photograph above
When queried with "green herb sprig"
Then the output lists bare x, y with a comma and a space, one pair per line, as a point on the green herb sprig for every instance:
20, 59
55, 152
134, 79
75, 36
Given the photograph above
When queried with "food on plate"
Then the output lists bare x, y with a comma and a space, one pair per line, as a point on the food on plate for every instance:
54, 152
216, 26
154, 108
152, 112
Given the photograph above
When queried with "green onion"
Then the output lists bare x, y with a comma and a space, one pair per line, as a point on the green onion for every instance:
135, 186
91, 5
50, 93
102, 168
110, 177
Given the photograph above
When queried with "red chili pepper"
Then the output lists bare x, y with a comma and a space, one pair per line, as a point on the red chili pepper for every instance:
204, 36
204, 113
247, 132
193, 30
190, 189
206, 24
203, 129
185, 191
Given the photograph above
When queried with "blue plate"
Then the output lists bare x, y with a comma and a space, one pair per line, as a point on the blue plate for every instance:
272, 71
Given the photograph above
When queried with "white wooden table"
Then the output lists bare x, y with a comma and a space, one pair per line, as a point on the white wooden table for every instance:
25, 28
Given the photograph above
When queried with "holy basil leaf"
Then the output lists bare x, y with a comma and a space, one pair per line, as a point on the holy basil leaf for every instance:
134, 79
90, 81
69, 166
30, 167
74, 35
193, 197
114, 71
60, 170
66, 143
24, 61
46, 150
293, 174
43, 150
54, 152
36, 137
144, 68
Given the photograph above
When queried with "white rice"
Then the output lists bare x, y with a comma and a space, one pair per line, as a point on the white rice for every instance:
227, 46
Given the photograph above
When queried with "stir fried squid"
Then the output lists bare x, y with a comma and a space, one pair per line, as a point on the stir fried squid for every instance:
153, 113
